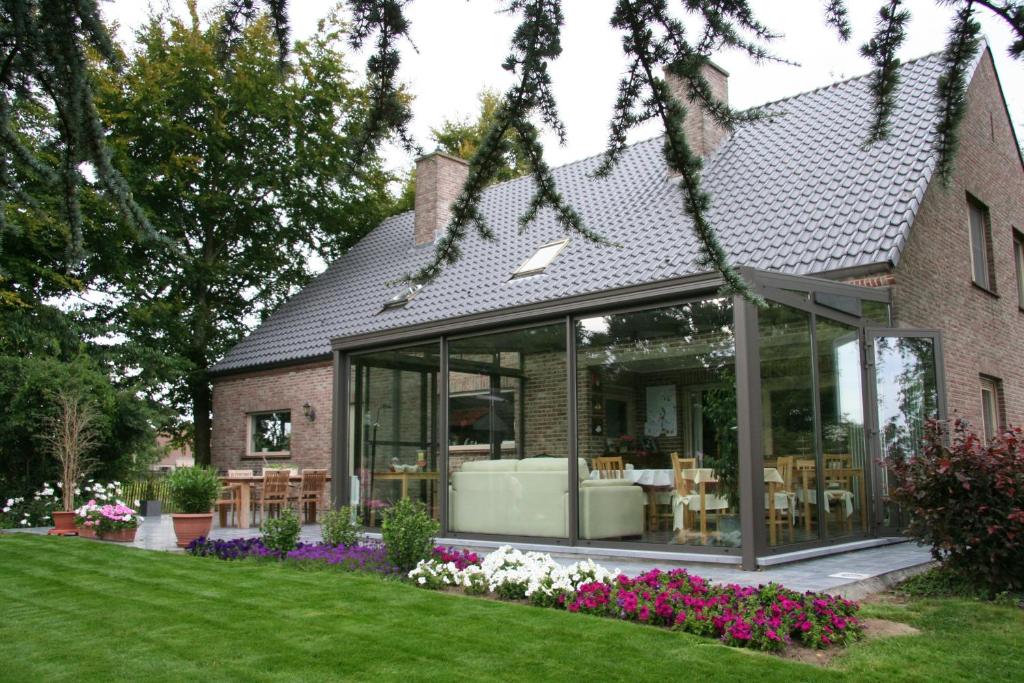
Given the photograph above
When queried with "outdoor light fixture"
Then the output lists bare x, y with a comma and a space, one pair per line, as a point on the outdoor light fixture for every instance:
308, 411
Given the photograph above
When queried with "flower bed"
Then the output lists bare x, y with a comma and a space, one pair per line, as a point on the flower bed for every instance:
359, 557
766, 617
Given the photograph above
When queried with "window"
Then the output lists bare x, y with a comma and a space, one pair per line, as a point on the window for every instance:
270, 433
403, 297
541, 259
981, 252
1018, 260
991, 412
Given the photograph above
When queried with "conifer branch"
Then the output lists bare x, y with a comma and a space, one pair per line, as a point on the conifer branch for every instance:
837, 17
890, 32
952, 87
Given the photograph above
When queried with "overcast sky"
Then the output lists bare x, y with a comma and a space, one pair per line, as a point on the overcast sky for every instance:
461, 44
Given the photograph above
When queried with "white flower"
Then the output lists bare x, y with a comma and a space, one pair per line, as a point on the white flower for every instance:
10, 502
24, 522
422, 580
7, 508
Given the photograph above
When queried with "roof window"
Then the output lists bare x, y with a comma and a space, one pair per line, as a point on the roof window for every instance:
541, 259
403, 297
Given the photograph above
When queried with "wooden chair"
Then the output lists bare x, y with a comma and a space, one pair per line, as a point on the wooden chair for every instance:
245, 474
839, 481
683, 490
227, 499
610, 467
274, 491
775, 492
311, 495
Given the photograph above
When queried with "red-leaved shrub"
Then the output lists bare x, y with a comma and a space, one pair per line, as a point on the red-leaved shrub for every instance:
966, 500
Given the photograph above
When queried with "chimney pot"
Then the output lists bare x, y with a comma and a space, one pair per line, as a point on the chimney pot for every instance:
702, 131
439, 180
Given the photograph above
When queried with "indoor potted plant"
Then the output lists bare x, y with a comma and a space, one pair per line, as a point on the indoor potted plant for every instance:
70, 433
193, 491
117, 522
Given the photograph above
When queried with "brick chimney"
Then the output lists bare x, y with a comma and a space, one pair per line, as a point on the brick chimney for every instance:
439, 179
702, 132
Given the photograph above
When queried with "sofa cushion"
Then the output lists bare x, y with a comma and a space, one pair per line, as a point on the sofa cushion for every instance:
489, 466
543, 465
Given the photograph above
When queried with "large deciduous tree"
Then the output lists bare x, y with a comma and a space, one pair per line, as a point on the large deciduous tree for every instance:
240, 164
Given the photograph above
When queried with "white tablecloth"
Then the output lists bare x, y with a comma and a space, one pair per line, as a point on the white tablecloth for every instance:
644, 477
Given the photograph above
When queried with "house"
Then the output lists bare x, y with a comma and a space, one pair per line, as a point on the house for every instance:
549, 390
174, 455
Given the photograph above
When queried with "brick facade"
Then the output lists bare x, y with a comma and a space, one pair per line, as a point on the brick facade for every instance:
983, 334
236, 397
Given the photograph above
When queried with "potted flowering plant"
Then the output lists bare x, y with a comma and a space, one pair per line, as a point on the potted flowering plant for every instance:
118, 522
193, 491
87, 519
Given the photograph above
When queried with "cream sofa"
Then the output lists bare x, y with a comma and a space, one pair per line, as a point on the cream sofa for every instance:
530, 497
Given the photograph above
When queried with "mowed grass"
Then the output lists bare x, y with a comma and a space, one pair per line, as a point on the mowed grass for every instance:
76, 610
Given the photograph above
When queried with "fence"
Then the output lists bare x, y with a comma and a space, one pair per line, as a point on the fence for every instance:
148, 489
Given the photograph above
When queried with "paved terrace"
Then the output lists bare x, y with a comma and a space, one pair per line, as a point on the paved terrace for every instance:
853, 573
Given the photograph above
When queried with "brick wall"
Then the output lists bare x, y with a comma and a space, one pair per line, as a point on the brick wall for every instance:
703, 133
235, 397
982, 333
439, 179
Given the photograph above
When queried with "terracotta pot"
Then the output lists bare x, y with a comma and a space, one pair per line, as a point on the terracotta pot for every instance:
63, 522
87, 531
190, 527
119, 535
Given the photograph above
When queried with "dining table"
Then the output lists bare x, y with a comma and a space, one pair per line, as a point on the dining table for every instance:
245, 486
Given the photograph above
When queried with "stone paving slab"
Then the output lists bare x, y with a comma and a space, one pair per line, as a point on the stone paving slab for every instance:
853, 574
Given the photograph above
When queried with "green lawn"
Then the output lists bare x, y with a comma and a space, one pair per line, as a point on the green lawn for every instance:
77, 610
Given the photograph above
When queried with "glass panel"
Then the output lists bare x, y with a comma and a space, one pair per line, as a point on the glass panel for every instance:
841, 401
907, 395
988, 408
271, 432
787, 396
979, 248
508, 433
656, 402
875, 311
394, 429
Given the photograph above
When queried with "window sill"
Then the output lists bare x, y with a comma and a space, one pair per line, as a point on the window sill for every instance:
269, 456
991, 292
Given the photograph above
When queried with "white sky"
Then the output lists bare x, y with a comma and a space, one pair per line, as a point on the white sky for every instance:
461, 44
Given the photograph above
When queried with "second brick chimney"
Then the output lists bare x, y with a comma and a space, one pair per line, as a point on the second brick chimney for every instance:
439, 180
702, 132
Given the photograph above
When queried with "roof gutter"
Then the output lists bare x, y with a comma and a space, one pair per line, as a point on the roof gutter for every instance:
529, 312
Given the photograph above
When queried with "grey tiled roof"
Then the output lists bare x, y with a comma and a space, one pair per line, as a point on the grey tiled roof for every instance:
797, 193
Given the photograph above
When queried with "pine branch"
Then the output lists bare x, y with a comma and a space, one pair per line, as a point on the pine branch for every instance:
535, 43
1013, 14
390, 113
837, 17
644, 95
960, 50
890, 32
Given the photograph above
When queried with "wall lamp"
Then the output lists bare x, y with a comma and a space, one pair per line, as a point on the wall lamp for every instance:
308, 411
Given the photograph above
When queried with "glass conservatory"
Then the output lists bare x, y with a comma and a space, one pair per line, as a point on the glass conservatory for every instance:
673, 419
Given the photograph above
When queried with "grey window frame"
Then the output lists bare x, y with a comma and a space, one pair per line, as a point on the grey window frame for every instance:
981, 254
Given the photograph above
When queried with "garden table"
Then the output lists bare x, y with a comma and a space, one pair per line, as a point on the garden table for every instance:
245, 485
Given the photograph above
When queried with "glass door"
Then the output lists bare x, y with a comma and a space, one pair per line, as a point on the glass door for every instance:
905, 376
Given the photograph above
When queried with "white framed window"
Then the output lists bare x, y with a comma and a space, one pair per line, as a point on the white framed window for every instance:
1018, 261
978, 227
270, 433
990, 411
541, 259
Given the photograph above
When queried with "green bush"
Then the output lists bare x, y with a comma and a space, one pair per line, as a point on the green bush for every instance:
281, 533
340, 527
193, 490
408, 532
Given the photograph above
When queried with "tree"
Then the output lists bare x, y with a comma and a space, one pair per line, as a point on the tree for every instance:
462, 138
240, 164
72, 433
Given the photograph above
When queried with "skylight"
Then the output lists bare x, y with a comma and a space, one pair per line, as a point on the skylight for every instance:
541, 259
403, 297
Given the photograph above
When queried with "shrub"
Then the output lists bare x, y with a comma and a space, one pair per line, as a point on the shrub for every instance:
966, 501
281, 534
408, 532
340, 527
193, 490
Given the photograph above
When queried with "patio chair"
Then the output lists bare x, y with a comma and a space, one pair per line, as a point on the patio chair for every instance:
274, 492
682, 492
227, 499
784, 498
610, 467
311, 495
253, 488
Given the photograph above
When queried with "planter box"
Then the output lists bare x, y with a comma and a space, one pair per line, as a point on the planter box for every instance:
119, 535
149, 508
